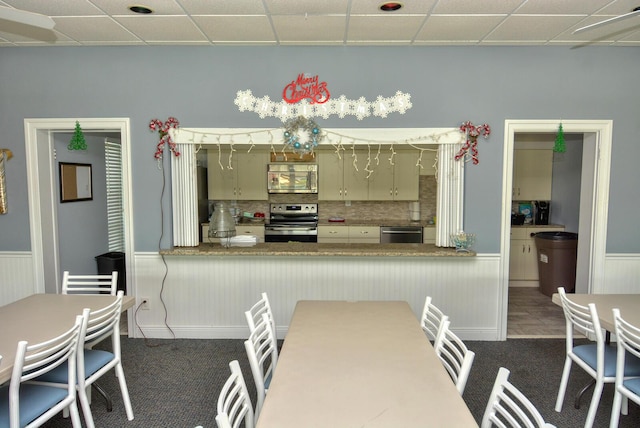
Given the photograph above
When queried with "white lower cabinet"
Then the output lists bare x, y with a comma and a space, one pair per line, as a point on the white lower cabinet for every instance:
256, 230
429, 235
349, 234
523, 259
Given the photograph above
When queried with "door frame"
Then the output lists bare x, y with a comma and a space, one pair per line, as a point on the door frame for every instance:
42, 193
594, 197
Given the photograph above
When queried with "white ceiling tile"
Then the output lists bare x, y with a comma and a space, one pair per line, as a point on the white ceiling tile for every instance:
56, 7
235, 28
311, 28
162, 28
468, 7
93, 29
375, 27
223, 7
310, 7
528, 28
551, 7
463, 28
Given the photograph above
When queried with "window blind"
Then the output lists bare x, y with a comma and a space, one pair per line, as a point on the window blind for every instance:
115, 208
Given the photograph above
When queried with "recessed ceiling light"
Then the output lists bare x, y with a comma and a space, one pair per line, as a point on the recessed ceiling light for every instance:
140, 9
390, 6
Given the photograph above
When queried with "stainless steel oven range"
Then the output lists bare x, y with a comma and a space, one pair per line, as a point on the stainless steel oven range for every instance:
292, 223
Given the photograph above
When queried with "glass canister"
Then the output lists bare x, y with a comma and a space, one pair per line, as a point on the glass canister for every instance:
222, 225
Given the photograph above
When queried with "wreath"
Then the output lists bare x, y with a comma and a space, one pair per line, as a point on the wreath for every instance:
304, 144
165, 138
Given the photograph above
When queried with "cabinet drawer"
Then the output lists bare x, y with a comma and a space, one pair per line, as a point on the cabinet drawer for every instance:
364, 234
333, 232
258, 231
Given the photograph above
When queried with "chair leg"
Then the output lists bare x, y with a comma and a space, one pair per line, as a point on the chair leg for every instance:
582, 391
86, 406
615, 410
593, 407
75, 415
105, 395
563, 384
125, 392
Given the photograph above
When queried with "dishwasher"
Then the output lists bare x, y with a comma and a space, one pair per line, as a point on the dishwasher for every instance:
400, 234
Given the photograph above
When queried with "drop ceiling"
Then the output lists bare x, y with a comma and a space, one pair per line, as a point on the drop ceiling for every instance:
324, 23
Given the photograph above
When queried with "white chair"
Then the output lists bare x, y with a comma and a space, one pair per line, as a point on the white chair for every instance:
234, 403
23, 404
94, 363
454, 355
432, 319
254, 315
508, 407
628, 354
262, 352
89, 284
597, 359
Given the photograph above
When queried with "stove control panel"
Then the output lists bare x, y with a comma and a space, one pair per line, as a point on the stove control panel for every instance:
294, 208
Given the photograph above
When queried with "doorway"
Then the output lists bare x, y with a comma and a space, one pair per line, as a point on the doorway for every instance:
594, 193
42, 187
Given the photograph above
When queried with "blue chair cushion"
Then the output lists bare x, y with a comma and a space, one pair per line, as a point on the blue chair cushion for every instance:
587, 353
633, 385
94, 360
267, 381
34, 401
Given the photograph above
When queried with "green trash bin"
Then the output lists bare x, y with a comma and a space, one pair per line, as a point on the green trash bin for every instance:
557, 255
113, 261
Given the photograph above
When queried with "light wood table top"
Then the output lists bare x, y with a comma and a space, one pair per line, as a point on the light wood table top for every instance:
629, 305
360, 364
41, 316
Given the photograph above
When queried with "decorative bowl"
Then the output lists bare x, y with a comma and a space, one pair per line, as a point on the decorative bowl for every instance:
463, 241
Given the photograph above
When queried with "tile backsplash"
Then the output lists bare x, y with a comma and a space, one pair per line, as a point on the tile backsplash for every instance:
361, 210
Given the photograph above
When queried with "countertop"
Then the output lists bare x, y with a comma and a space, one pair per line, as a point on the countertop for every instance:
320, 250
546, 226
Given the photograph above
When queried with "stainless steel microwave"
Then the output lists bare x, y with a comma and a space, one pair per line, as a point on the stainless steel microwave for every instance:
292, 178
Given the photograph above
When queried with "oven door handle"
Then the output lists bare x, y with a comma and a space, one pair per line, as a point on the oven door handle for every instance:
289, 229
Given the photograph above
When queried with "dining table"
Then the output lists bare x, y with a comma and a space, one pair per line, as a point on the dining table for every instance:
360, 364
629, 305
39, 317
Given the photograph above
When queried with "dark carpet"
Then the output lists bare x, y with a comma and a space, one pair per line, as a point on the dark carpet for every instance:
175, 383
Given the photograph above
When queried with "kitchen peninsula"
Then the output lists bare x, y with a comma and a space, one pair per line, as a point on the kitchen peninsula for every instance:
303, 249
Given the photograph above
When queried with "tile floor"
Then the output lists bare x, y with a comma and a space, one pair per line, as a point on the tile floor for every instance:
532, 314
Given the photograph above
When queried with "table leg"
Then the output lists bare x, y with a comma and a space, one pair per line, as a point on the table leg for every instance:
105, 395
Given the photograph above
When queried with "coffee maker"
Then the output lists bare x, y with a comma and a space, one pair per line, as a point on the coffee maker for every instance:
541, 212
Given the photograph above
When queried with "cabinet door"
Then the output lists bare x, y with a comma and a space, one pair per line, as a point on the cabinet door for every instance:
221, 181
251, 178
330, 177
364, 234
429, 235
356, 183
532, 174
381, 183
406, 176
516, 260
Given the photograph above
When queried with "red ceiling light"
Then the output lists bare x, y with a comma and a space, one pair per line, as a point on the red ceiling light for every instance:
390, 6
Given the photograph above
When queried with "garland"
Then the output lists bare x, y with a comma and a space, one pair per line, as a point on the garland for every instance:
472, 132
163, 131
294, 142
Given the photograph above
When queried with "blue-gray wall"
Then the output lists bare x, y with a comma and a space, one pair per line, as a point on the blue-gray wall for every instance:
448, 85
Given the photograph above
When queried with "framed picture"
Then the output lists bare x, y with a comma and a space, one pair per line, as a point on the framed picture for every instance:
75, 182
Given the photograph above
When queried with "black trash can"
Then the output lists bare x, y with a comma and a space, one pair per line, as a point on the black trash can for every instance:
113, 261
557, 255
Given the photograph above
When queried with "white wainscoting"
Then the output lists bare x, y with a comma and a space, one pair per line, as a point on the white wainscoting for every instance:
622, 274
205, 297
16, 276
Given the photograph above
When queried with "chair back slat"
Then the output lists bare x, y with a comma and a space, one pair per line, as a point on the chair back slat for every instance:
90, 284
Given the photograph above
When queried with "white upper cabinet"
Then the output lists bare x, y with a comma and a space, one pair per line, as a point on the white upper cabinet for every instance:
245, 179
532, 175
397, 181
339, 180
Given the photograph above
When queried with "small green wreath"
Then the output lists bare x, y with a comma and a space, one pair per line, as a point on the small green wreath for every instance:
293, 140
